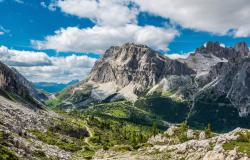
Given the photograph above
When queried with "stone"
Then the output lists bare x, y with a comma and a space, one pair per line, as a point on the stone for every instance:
202, 135
190, 134
211, 155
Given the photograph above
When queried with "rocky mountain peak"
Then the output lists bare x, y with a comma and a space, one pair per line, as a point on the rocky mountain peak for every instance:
242, 48
137, 64
128, 51
215, 48
209, 47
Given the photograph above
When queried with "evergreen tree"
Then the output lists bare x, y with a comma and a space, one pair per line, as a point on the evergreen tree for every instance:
154, 128
208, 131
184, 127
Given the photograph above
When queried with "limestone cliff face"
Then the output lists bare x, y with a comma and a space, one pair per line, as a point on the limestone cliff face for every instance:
212, 73
221, 93
137, 64
13, 82
124, 73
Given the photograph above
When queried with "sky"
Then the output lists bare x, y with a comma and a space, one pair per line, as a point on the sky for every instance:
60, 40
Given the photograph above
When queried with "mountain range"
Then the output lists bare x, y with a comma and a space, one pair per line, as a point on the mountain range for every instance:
136, 103
51, 87
212, 81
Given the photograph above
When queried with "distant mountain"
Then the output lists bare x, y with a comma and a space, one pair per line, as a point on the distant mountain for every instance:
54, 87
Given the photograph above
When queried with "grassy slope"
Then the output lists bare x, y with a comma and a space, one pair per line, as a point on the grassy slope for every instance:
5, 153
116, 126
242, 144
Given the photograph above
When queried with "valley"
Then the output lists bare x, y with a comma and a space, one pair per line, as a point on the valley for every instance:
135, 103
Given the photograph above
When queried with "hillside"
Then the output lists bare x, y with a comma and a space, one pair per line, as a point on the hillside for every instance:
146, 106
210, 86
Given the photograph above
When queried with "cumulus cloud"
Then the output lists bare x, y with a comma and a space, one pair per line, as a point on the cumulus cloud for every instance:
39, 67
23, 58
104, 12
99, 38
219, 17
178, 56
115, 24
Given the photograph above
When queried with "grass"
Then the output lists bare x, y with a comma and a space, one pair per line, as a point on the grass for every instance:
164, 107
65, 143
67, 134
166, 94
116, 123
86, 153
242, 143
243, 147
53, 103
5, 153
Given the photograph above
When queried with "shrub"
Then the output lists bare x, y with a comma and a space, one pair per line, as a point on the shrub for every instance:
208, 131
51, 138
6, 154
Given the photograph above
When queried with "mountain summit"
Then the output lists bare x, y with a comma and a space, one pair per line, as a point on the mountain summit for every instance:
125, 72
135, 64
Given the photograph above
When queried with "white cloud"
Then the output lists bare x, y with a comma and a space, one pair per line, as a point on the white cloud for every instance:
100, 38
219, 17
115, 24
39, 67
104, 12
178, 56
52, 6
3, 30
23, 58
19, 1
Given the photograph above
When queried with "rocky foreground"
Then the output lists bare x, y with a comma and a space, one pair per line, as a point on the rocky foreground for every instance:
197, 146
21, 130
16, 122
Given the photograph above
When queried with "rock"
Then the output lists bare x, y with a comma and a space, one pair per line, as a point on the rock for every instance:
202, 135
170, 130
13, 82
132, 69
137, 64
190, 134
242, 48
211, 155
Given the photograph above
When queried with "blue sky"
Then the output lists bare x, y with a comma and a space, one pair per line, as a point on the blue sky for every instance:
77, 32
